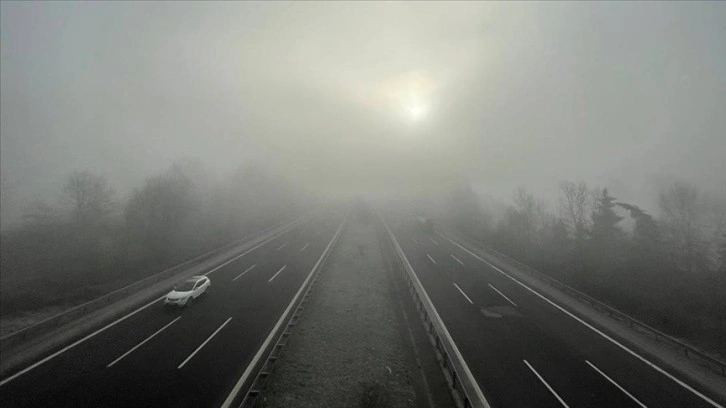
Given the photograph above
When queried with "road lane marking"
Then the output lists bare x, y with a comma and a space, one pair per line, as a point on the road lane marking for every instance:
616, 384
251, 366
546, 385
281, 246
432, 259
457, 259
246, 270
589, 326
108, 326
306, 245
203, 344
414, 241
142, 343
462, 292
63, 350
503, 295
478, 394
434, 241
278, 272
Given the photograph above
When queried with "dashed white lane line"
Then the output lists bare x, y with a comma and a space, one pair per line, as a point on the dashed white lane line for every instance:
281, 246
142, 343
434, 241
203, 344
591, 327
246, 270
464, 294
546, 385
457, 259
278, 272
303, 248
503, 295
432, 259
616, 384
414, 241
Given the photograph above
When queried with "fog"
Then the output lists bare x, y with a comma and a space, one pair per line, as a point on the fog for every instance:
345, 98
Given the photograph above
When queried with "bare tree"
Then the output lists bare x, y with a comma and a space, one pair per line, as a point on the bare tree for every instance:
682, 215
576, 204
89, 197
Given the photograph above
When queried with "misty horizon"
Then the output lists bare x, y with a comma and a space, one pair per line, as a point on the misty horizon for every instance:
355, 98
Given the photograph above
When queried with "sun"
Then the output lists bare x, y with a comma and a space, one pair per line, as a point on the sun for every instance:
416, 110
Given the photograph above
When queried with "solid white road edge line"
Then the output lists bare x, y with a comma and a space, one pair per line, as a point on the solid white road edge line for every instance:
432, 259
447, 335
616, 384
546, 385
502, 294
588, 325
142, 343
233, 393
108, 326
63, 350
246, 270
462, 292
306, 245
457, 259
203, 344
278, 272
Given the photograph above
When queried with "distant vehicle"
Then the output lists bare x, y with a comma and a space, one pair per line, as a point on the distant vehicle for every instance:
424, 224
184, 292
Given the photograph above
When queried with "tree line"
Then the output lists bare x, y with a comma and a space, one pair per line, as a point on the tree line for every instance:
667, 269
89, 240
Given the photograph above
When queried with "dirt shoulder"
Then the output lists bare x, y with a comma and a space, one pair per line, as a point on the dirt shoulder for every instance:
355, 343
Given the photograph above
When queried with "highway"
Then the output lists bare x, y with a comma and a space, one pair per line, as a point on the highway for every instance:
190, 357
523, 350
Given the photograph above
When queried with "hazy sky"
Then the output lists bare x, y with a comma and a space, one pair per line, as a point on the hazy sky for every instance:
365, 96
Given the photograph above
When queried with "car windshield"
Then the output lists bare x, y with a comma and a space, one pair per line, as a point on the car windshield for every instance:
185, 286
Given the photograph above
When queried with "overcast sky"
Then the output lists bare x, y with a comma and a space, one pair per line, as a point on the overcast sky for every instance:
366, 96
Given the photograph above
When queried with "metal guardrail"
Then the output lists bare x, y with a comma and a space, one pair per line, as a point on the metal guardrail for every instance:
461, 382
283, 333
689, 351
91, 306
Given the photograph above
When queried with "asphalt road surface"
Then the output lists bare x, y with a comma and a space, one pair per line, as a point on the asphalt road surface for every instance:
189, 357
524, 351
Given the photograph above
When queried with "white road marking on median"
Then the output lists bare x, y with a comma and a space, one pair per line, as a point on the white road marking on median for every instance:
457, 259
203, 344
278, 272
605, 336
434, 241
503, 295
306, 245
251, 366
616, 384
414, 241
462, 292
108, 326
546, 385
281, 246
246, 270
142, 343
432, 259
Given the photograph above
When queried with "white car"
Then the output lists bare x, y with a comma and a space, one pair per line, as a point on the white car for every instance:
184, 292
